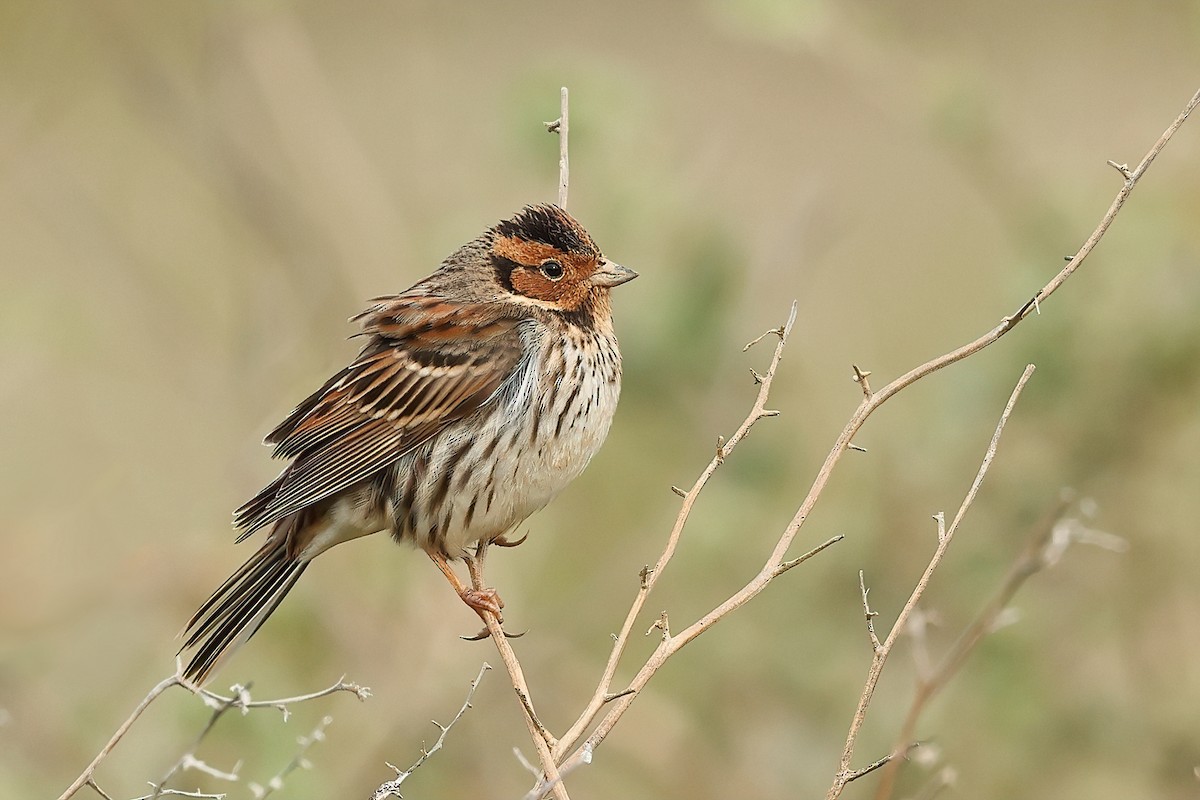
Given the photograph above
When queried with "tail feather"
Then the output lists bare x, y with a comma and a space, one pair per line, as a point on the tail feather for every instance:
237, 609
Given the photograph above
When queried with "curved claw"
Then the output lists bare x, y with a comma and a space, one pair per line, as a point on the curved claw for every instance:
485, 634
502, 541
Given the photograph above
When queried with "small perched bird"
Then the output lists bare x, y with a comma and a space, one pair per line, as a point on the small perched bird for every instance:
480, 393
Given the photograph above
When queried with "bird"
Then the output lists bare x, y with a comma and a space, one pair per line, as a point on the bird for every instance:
478, 394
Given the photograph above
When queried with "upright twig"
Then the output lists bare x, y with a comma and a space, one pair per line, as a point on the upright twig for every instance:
881, 650
649, 576
1050, 536
562, 126
1030, 561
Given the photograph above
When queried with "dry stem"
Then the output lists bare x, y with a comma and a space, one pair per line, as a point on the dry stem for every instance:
240, 700
881, 651
870, 402
392, 788
543, 741
1031, 560
561, 126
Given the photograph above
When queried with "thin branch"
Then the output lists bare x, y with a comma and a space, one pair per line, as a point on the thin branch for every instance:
299, 761
650, 576
85, 777
181, 793
219, 704
1032, 559
896, 756
546, 786
92, 784
562, 127
241, 697
189, 757
392, 788
869, 614
543, 741
870, 402
881, 651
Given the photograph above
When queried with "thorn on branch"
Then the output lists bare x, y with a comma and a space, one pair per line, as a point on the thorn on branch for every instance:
1121, 168
941, 526
758, 379
858, 448
720, 450
678, 491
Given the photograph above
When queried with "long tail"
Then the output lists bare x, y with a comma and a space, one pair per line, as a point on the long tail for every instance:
241, 605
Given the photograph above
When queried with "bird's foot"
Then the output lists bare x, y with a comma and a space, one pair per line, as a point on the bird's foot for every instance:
484, 600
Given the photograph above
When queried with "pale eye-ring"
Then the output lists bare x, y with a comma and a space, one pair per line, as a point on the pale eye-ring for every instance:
552, 269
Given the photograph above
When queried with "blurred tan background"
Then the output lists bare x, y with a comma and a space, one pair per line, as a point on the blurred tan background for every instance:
194, 196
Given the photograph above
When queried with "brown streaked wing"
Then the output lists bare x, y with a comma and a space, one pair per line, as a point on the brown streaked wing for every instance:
429, 362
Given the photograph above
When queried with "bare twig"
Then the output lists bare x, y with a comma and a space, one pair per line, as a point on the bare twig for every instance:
881, 650
617, 703
562, 126
1034, 557
649, 577
543, 741
870, 402
181, 793
546, 786
85, 777
189, 758
392, 788
240, 699
893, 757
299, 761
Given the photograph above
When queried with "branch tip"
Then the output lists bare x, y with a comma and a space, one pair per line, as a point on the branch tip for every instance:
860, 377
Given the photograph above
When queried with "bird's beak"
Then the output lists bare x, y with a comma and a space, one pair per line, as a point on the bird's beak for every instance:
609, 274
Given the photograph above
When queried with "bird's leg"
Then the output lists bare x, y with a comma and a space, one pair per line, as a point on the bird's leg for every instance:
475, 567
480, 600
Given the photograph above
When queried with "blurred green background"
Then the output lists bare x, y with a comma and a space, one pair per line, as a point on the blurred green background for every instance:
194, 196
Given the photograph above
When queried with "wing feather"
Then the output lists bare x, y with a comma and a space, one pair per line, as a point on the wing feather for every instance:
427, 363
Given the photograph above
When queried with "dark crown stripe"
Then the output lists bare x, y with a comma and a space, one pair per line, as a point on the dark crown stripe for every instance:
548, 224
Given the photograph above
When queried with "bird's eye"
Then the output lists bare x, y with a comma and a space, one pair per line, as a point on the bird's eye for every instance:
552, 269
